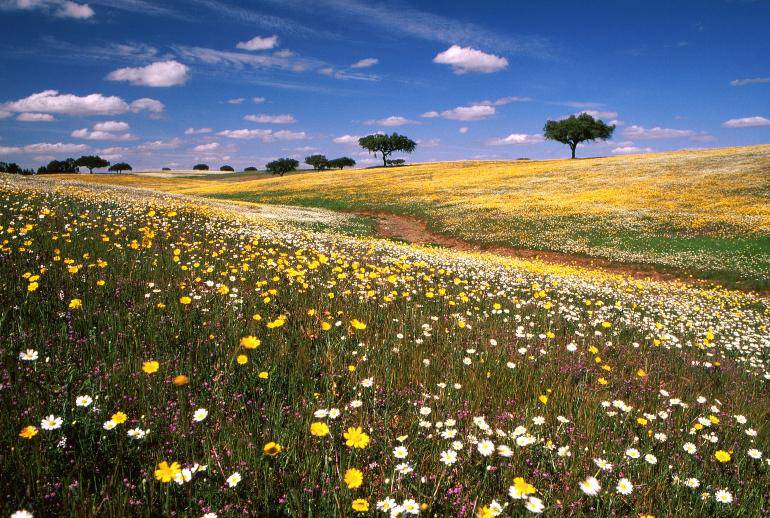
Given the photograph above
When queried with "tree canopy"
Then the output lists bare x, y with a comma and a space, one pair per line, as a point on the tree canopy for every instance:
317, 162
576, 129
387, 144
339, 163
91, 162
282, 166
14, 168
251, 169
120, 167
59, 167
227, 168
200, 167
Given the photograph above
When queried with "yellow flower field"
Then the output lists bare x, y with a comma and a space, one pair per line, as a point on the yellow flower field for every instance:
703, 212
219, 361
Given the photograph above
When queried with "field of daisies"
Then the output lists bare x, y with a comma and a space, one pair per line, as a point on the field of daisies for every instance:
166, 356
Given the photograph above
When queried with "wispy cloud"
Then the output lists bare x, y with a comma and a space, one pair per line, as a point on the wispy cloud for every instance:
747, 122
262, 20
750, 81
393, 120
397, 18
516, 139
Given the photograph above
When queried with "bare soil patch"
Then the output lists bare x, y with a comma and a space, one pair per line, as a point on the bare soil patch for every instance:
414, 230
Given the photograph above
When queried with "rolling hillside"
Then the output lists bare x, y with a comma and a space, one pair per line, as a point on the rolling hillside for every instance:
705, 213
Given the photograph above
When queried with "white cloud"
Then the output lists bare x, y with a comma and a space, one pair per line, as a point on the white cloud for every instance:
247, 133
504, 100
4, 114
750, 81
111, 126
112, 153
265, 135
160, 144
327, 71
271, 119
259, 43
511, 99
194, 131
105, 131
44, 147
145, 103
60, 8
158, 74
240, 60
365, 63
432, 142
59, 147
258, 100
639, 132
237, 100
463, 130
70, 9
430, 115
290, 135
113, 150
346, 139
211, 146
35, 117
467, 59
389, 121
84, 133
598, 114
627, 150
50, 101
469, 113
747, 122
516, 138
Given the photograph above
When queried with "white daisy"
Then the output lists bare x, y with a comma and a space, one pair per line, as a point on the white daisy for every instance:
83, 401
233, 479
624, 487
51, 422
200, 415
590, 486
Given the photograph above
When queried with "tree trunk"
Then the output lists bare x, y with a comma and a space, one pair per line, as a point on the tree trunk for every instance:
384, 160
573, 146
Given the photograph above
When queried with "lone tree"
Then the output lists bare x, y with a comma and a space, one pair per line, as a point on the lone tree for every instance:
282, 166
120, 167
91, 162
574, 130
227, 168
341, 162
200, 167
250, 169
318, 162
387, 144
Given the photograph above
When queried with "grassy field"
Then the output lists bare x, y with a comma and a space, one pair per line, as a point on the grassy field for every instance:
166, 356
704, 213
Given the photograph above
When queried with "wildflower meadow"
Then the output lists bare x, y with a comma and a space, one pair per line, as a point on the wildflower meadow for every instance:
169, 355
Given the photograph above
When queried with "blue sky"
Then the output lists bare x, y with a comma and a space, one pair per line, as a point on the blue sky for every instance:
173, 83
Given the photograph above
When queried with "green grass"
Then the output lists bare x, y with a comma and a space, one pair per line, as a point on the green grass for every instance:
735, 262
150, 251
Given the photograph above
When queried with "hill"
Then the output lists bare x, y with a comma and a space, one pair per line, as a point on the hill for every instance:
704, 213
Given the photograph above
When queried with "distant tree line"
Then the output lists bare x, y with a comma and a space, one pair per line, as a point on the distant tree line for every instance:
321, 163
385, 145
14, 168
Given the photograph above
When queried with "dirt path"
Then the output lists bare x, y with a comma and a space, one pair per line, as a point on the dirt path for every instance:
413, 230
